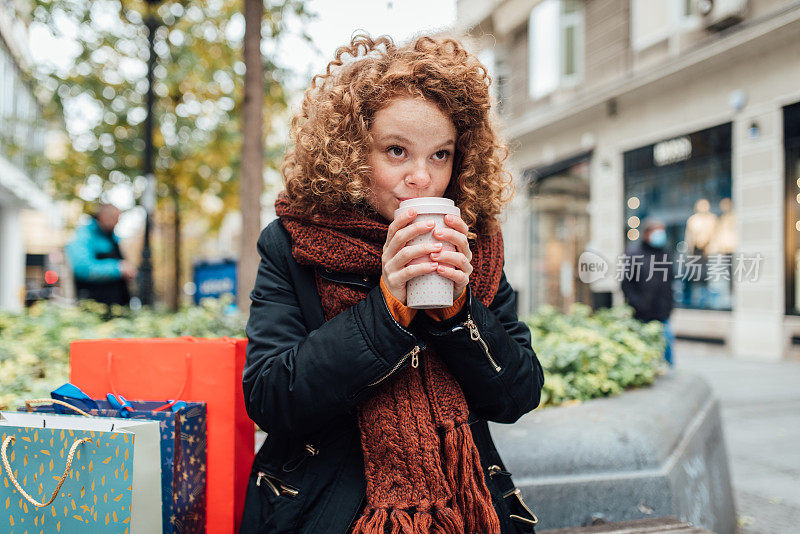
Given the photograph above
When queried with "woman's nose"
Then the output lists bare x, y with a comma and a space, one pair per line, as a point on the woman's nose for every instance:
419, 177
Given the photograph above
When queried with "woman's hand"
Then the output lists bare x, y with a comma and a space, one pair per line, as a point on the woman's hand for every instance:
396, 270
454, 265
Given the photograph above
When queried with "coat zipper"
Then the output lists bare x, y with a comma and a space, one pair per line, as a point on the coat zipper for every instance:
268, 479
414, 355
475, 335
353, 518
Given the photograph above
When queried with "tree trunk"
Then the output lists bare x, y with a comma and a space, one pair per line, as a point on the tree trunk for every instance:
251, 179
176, 296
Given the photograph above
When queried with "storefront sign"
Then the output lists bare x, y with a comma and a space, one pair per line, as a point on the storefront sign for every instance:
672, 151
214, 279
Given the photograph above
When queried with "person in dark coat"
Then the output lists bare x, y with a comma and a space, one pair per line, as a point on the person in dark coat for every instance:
99, 270
647, 282
375, 413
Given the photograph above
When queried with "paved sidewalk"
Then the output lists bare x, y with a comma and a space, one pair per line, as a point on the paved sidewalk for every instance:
761, 417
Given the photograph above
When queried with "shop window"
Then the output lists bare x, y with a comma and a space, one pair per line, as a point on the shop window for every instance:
556, 43
685, 182
791, 127
559, 232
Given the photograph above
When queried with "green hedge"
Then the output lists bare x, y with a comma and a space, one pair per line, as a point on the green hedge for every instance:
589, 355
34, 345
585, 355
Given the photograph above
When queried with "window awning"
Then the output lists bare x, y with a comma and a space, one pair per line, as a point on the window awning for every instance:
534, 175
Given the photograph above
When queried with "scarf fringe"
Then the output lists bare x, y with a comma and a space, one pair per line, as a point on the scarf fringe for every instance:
448, 522
371, 522
422, 522
464, 475
401, 522
440, 521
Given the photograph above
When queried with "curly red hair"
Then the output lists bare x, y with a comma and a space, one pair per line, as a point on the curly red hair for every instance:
327, 168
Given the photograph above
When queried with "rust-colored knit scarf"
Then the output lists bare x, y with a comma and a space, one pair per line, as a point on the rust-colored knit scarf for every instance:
421, 465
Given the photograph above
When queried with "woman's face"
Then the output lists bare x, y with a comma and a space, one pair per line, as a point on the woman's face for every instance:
411, 154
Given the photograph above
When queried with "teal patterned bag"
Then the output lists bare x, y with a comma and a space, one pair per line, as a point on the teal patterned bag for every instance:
183, 458
64, 480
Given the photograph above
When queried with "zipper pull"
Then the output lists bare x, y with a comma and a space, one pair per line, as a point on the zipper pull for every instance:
474, 335
265, 478
415, 357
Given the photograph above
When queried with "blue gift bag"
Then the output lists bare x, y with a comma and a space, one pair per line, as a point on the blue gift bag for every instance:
64, 480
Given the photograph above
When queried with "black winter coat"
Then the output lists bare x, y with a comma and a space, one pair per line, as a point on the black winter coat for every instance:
305, 377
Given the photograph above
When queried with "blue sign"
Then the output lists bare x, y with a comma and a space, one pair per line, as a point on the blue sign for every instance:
214, 279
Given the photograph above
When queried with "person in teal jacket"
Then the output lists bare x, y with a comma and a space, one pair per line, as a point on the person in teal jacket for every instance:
99, 270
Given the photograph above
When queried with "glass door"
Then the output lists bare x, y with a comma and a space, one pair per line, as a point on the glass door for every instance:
559, 232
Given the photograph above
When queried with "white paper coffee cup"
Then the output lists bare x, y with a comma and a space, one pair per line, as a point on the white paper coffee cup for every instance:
430, 290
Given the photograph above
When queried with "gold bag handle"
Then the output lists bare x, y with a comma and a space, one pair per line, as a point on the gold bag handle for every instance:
30, 403
70, 457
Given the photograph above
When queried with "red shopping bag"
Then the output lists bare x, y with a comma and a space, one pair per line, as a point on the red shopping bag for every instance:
189, 369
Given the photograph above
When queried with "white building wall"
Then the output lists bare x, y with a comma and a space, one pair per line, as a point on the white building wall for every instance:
19, 188
758, 171
12, 259
515, 231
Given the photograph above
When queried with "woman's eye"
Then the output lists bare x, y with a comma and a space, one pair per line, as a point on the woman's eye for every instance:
395, 151
442, 154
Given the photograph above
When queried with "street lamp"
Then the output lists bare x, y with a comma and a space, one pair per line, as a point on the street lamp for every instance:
149, 197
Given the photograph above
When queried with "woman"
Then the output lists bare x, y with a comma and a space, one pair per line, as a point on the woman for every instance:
375, 413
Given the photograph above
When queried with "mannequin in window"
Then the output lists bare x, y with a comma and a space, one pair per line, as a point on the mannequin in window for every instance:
724, 239
700, 228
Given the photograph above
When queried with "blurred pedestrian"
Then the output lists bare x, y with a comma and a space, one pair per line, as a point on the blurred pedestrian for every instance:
99, 270
376, 413
647, 283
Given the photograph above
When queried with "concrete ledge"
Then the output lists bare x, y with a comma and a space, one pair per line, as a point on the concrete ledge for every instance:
652, 452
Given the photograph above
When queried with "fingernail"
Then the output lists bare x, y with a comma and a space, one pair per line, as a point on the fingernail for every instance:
435, 255
429, 224
434, 265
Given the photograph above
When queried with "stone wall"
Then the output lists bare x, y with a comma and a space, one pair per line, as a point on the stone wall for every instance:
652, 452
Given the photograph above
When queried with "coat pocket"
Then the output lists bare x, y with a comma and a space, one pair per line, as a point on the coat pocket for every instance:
273, 504
275, 485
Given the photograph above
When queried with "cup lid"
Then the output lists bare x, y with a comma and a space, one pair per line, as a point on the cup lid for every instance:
438, 205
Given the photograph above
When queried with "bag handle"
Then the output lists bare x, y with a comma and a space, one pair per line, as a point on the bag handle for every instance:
30, 403
67, 469
110, 373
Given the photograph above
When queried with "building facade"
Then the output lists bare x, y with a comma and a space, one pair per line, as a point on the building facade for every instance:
22, 171
684, 111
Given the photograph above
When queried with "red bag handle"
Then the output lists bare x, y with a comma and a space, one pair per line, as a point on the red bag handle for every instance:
110, 374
